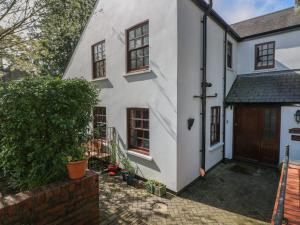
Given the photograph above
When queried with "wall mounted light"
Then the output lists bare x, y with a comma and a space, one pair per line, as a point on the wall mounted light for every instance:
190, 123
297, 116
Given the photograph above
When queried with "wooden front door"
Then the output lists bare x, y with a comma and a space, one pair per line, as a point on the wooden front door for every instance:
257, 133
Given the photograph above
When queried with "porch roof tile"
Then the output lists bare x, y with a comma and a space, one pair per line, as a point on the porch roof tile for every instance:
271, 87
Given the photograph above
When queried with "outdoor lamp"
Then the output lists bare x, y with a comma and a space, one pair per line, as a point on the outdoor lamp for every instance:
297, 116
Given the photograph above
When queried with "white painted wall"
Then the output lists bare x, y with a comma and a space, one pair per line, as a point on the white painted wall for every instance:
189, 79
156, 90
288, 122
230, 78
287, 52
215, 75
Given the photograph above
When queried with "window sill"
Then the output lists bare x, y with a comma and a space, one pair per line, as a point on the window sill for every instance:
215, 147
140, 155
139, 72
99, 79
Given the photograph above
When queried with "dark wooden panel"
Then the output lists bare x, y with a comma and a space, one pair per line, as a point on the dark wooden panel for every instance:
257, 133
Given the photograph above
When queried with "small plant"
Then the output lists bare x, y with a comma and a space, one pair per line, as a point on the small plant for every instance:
113, 152
155, 187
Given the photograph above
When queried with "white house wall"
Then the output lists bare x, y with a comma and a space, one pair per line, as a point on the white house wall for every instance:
287, 52
288, 122
156, 90
230, 78
189, 80
215, 76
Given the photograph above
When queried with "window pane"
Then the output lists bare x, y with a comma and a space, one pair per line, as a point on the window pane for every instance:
131, 35
138, 32
140, 63
133, 55
138, 43
146, 40
138, 124
140, 53
133, 64
146, 144
138, 114
146, 61
146, 29
132, 44
146, 51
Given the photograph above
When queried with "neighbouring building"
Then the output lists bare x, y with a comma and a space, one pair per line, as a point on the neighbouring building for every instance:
185, 90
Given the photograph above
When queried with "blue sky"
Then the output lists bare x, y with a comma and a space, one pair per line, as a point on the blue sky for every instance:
238, 10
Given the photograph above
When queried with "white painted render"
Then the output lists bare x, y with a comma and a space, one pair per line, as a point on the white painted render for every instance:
189, 80
156, 90
288, 122
287, 53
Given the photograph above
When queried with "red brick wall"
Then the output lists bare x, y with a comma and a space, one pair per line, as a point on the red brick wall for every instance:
69, 202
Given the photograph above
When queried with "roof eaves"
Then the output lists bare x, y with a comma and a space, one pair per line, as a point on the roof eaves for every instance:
214, 15
271, 32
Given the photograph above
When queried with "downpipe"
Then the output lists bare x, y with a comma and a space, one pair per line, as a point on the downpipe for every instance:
204, 85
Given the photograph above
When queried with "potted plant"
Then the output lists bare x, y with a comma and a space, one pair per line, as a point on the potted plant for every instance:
126, 165
155, 187
113, 166
159, 189
150, 186
77, 163
131, 180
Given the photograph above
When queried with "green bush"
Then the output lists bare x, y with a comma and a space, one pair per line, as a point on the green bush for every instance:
44, 121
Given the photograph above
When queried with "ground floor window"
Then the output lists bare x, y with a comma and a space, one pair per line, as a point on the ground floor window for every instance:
100, 122
215, 125
138, 129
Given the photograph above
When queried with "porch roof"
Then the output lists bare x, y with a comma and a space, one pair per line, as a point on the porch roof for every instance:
271, 87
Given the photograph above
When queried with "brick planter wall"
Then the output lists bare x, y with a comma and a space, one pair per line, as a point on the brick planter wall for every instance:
69, 202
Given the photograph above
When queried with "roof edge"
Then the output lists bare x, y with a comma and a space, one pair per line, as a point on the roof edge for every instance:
281, 30
204, 6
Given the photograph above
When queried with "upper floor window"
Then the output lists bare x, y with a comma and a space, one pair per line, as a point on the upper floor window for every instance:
138, 130
229, 54
265, 55
138, 47
215, 125
99, 123
99, 60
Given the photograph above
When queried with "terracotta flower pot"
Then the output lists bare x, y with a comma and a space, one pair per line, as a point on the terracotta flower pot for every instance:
112, 168
76, 170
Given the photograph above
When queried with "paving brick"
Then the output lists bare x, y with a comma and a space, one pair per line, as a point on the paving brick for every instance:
226, 196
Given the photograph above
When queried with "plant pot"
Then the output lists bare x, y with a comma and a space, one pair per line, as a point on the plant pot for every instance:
160, 190
131, 179
76, 170
150, 188
112, 168
125, 174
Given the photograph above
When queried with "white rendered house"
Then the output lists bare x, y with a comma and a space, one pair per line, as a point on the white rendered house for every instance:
185, 90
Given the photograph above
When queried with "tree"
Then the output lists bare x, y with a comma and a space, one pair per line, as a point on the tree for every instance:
60, 29
17, 18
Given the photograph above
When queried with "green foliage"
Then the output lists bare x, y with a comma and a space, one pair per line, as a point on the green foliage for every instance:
46, 122
59, 31
113, 148
127, 165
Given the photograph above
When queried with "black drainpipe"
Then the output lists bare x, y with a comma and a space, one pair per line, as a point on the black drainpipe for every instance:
204, 84
224, 93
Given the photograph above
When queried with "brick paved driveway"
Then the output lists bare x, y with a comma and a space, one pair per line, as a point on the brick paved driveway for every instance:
232, 193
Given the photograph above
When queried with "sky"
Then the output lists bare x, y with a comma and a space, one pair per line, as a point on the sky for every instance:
238, 10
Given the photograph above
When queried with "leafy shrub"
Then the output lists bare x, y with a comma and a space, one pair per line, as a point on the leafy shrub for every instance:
44, 121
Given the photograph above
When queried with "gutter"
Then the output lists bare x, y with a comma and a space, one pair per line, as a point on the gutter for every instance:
204, 85
224, 93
